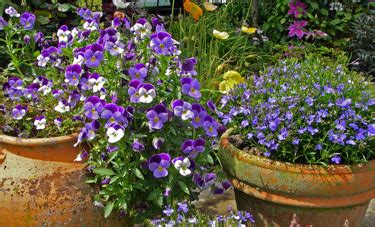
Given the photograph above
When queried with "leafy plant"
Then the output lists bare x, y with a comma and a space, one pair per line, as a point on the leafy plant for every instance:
310, 111
363, 44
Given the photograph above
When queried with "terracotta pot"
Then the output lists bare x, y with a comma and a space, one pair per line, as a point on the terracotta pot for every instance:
41, 186
274, 191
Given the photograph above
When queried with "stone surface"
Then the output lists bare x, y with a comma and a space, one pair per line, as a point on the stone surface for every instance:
218, 204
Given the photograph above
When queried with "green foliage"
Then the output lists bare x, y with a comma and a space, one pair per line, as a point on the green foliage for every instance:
240, 50
362, 45
319, 16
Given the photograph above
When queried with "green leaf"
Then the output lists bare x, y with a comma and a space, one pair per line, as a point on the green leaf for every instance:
314, 5
138, 173
154, 194
210, 160
42, 20
324, 11
108, 209
184, 187
63, 7
335, 21
282, 21
103, 171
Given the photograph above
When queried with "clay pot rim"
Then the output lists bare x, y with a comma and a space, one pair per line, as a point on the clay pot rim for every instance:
291, 167
37, 141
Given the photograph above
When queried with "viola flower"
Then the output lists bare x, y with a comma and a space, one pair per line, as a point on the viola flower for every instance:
113, 114
93, 107
161, 43
184, 166
168, 210
336, 159
72, 74
85, 13
26, 39
187, 67
19, 112
27, 20
58, 122
220, 35
193, 147
142, 28
191, 87
108, 35
296, 8
210, 126
204, 182
63, 34
158, 164
296, 29
133, 90
199, 115
93, 55
114, 49
157, 116
42, 61
115, 132
53, 54
45, 85
12, 12
137, 146
40, 122
157, 142
182, 109
3, 23
62, 107
96, 82
138, 72
146, 93
195, 11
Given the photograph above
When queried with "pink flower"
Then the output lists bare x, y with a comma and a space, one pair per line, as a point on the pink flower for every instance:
296, 8
296, 29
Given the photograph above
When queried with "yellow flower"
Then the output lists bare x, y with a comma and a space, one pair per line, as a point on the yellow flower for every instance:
220, 35
231, 79
209, 6
248, 30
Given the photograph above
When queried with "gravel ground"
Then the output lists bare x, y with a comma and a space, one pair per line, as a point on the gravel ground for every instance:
218, 204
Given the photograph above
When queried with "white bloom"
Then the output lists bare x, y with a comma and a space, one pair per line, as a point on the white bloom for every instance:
114, 135
78, 158
63, 35
92, 26
74, 32
42, 61
146, 96
142, 30
12, 12
62, 108
120, 4
40, 124
96, 84
183, 166
45, 89
79, 60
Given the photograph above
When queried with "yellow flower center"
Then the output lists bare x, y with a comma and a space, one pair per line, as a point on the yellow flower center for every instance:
156, 120
160, 168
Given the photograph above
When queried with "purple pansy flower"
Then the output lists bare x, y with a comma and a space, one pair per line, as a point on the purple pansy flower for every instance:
72, 74
182, 109
157, 142
137, 146
191, 87
115, 48
199, 115
85, 13
3, 23
158, 164
113, 114
204, 182
27, 20
187, 67
210, 126
157, 116
93, 107
161, 42
336, 159
19, 112
93, 55
193, 147
138, 72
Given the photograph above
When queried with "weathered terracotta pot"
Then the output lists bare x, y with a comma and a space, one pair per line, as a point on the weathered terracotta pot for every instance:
274, 191
41, 186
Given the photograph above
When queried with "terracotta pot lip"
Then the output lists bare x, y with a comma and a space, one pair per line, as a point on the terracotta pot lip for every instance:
291, 167
5, 139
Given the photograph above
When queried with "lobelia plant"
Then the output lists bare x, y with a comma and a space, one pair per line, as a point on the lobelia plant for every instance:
151, 140
307, 111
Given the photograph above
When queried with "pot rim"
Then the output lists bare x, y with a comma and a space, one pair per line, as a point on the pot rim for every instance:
37, 141
291, 167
